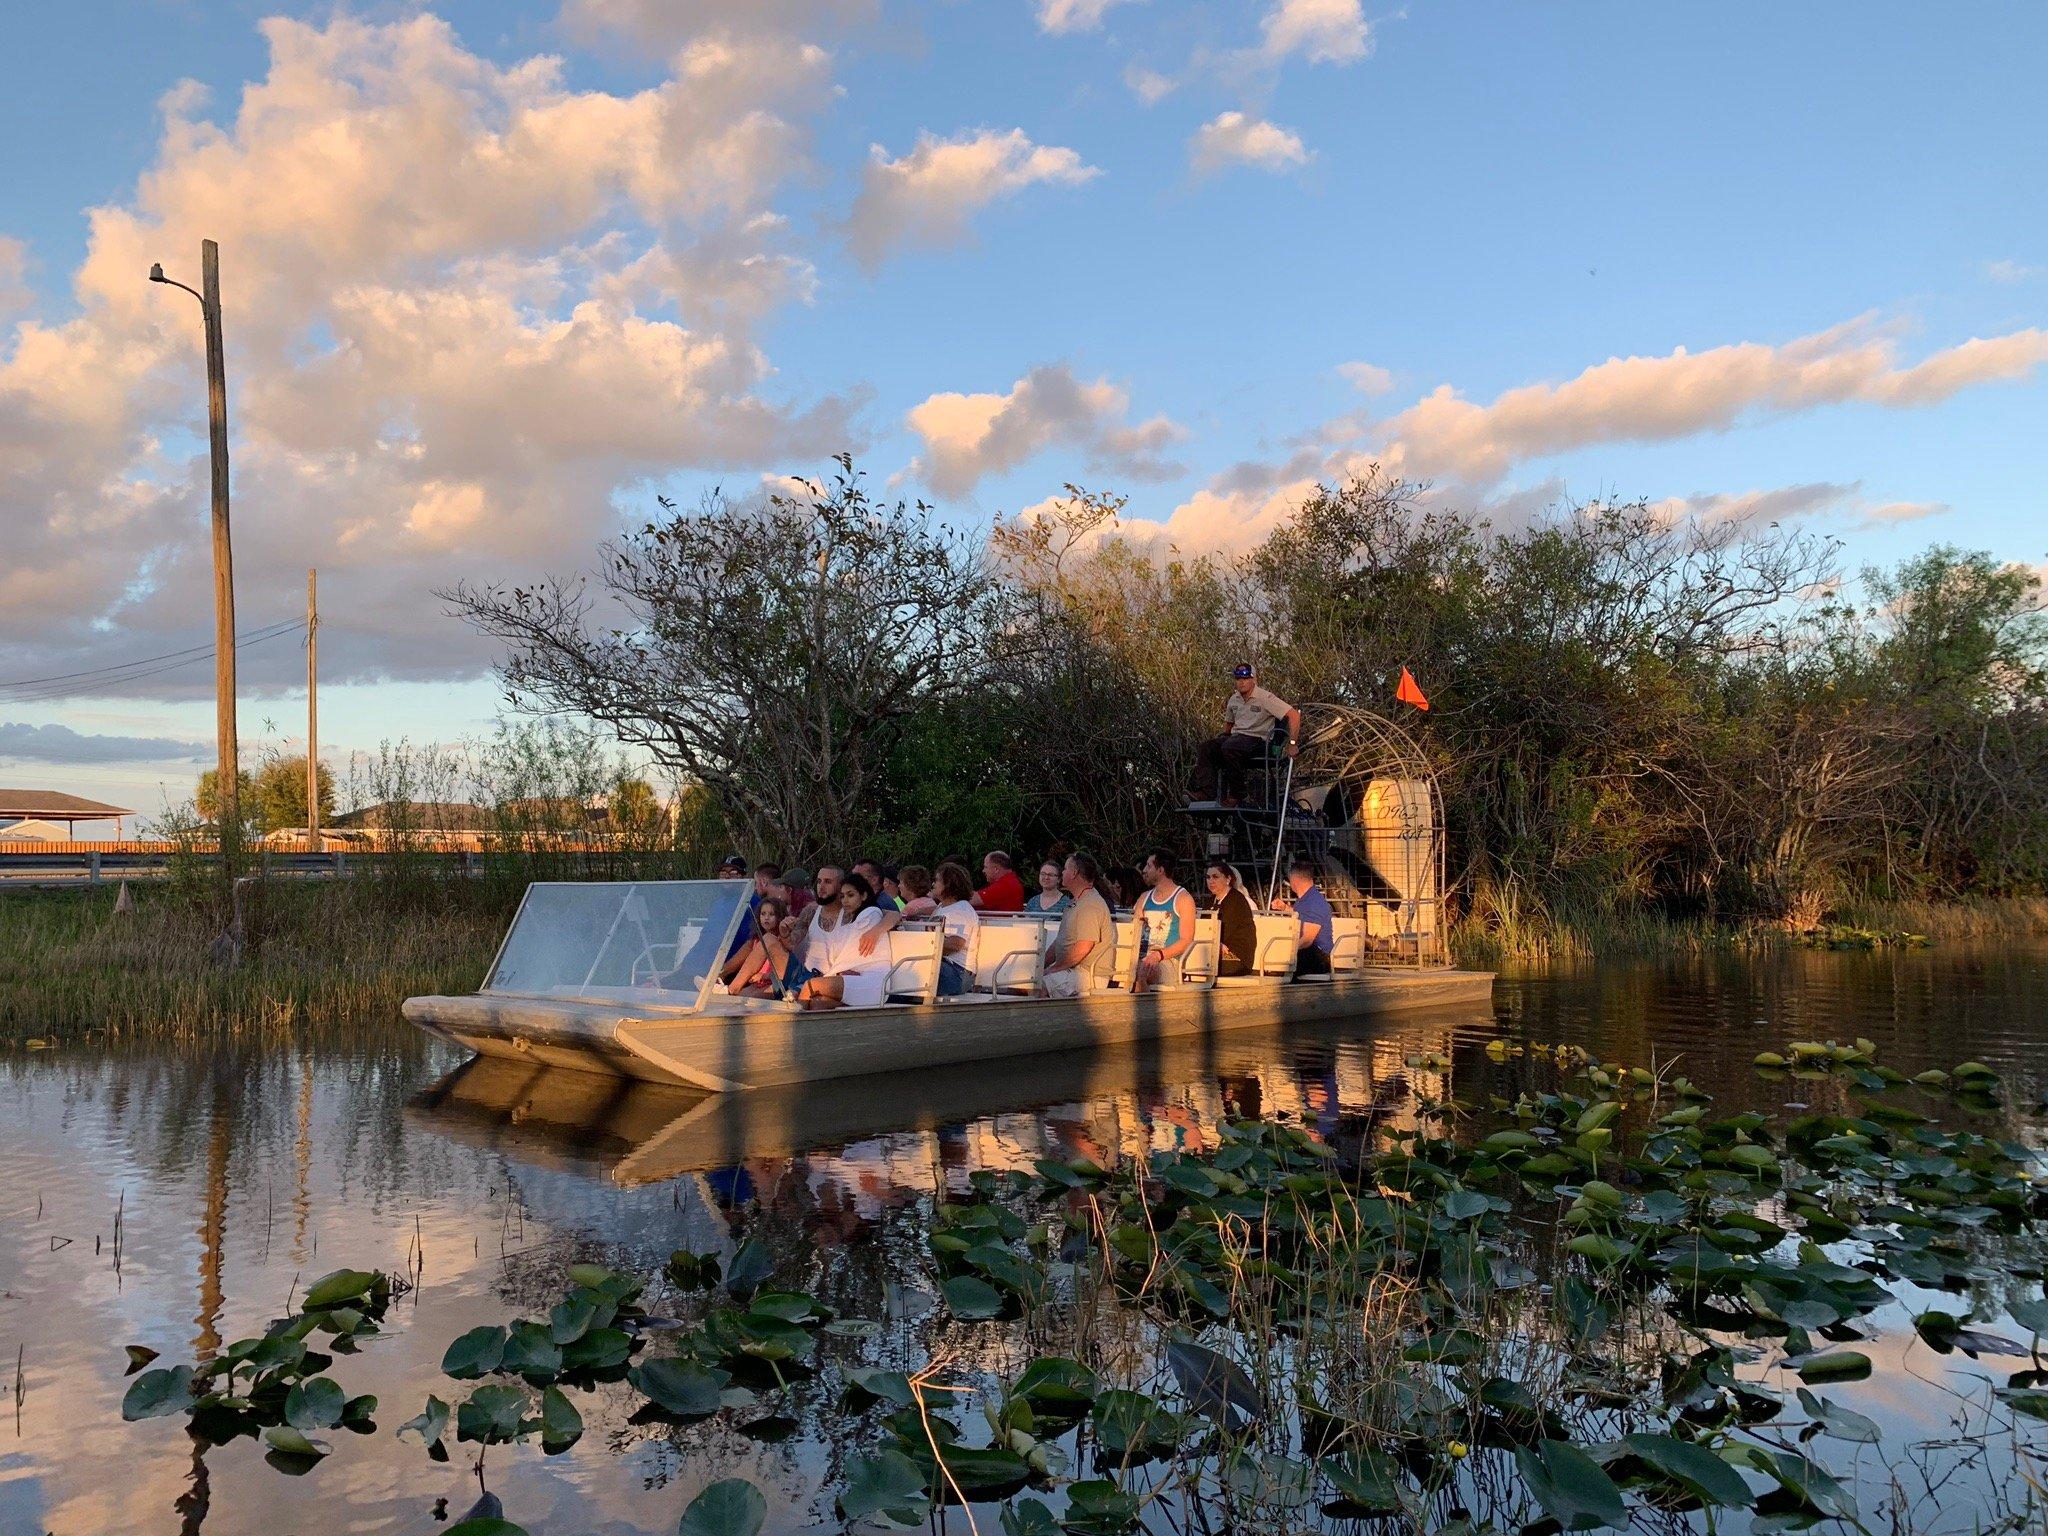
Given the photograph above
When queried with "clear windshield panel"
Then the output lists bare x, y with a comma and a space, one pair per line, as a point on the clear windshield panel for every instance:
651, 941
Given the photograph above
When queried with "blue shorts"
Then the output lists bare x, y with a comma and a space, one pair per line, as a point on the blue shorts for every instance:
794, 975
953, 978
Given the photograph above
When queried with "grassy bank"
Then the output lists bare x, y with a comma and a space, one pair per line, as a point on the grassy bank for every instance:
1535, 940
330, 950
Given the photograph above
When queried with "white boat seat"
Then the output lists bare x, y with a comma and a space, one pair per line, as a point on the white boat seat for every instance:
914, 953
1125, 936
1347, 946
1199, 965
1009, 954
1278, 950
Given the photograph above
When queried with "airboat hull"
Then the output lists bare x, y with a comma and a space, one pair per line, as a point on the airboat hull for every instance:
772, 1046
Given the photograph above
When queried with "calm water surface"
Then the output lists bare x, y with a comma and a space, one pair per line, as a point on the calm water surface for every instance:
176, 1198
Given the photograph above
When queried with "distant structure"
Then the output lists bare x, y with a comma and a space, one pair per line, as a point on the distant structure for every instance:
35, 815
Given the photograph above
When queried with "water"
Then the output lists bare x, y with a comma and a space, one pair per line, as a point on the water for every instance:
176, 1199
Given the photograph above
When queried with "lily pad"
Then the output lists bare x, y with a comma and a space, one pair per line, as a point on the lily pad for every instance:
1573, 1489
732, 1507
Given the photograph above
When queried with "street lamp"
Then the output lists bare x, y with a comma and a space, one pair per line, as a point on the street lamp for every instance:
227, 777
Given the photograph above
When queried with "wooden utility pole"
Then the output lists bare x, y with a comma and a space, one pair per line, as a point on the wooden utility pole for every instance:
228, 777
312, 714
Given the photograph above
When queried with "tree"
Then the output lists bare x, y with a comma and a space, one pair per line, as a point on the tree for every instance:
771, 650
280, 794
207, 798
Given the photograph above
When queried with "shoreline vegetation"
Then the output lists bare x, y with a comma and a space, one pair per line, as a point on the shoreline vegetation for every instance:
342, 951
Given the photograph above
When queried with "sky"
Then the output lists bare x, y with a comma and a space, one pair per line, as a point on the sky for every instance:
497, 275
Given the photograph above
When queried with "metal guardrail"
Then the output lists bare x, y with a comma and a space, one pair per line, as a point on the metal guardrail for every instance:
62, 866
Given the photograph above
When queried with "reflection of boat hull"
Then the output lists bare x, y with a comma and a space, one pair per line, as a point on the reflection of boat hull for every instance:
724, 1052
640, 1132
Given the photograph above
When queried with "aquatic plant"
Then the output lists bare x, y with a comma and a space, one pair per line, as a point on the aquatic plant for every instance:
1593, 1305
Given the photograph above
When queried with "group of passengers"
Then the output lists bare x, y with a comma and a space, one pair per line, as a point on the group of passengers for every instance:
821, 940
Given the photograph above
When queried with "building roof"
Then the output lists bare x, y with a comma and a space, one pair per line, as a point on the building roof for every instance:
58, 806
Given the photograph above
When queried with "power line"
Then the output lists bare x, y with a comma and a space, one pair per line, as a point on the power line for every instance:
38, 690
143, 661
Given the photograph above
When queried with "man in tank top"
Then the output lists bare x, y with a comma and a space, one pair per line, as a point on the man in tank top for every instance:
1166, 921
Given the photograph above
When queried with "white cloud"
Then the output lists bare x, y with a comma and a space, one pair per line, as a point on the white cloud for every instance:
14, 289
969, 437
1072, 15
1367, 378
24, 743
1466, 451
1232, 138
470, 308
1148, 85
662, 26
1652, 399
2007, 270
929, 196
1322, 31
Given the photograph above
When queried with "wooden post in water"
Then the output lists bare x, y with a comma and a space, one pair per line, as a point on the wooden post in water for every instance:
312, 714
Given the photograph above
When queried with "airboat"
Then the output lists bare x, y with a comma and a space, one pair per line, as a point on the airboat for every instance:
621, 977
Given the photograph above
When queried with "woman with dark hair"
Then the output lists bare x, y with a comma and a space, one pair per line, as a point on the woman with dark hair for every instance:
1233, 909
1124, 886
842, 975
954, 889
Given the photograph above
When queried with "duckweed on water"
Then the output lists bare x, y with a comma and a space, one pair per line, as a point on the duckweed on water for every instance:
1593, 1307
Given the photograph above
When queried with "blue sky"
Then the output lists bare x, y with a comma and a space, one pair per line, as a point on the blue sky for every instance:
1819, 204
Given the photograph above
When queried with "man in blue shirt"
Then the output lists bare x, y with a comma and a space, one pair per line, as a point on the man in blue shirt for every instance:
1312, 907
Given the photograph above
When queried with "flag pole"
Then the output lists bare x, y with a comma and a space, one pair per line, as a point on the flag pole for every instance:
1280, 835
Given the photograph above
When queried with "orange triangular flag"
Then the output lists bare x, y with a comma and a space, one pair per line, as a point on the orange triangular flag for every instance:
1410, 691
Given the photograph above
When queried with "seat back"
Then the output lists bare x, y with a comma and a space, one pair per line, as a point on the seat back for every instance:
914, 951
1198, 967
1009, 954
1279, 943
1347, 945
1129, 935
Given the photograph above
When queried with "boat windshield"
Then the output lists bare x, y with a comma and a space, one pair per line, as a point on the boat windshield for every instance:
651, 941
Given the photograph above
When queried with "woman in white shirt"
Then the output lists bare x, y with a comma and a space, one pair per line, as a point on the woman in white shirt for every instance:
844, 976
954, 888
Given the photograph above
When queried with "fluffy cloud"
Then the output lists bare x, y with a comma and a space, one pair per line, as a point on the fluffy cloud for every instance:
24, 743
661, 26
1072, 15
1366, 378
1467, 450
471, 309
14, 289
1322, 31
1148, 85
1232, 138
1650, 399
928, 196
969, 437
2006, 270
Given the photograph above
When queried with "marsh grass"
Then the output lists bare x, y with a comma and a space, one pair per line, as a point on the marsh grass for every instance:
328, 950
1522, 935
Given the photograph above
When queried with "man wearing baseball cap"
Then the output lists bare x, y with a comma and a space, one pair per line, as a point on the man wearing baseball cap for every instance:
1249, 717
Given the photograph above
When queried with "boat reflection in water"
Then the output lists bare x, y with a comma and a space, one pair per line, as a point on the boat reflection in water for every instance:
874, 1142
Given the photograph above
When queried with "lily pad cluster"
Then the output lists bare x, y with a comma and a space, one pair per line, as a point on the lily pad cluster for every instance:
1593, 1305
274, 1386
